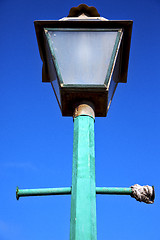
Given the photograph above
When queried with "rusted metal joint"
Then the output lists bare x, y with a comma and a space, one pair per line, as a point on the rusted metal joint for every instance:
84, 109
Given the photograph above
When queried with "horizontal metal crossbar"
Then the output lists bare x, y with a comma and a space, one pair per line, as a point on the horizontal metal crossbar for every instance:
67, 191
42, 192
113, 190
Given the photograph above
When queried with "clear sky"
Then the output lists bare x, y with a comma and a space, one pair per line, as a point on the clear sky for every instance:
36, 141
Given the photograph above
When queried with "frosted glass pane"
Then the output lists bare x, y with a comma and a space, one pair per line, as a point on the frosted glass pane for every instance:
83, 57
112, 88
114, 80
52, 73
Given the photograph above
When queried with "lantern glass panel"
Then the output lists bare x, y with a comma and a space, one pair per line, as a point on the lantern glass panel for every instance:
82, 57
114, 79
52, 73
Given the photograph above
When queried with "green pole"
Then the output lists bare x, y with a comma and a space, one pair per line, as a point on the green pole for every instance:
83, 193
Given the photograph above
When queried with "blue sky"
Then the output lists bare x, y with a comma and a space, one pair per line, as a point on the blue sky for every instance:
36, 141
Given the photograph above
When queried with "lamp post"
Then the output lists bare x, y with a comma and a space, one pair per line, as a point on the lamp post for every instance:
84, 57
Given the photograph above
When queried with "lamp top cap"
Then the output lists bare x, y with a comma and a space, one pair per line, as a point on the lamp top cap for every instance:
83, 9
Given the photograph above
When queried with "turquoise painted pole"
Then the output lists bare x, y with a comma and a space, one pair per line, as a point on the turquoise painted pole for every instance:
83, 194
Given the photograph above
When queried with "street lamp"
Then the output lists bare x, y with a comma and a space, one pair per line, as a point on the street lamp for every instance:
84, 57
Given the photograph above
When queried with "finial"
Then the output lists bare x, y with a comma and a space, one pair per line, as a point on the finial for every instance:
83, 9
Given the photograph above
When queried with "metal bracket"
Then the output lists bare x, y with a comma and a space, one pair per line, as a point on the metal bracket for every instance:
68, 191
